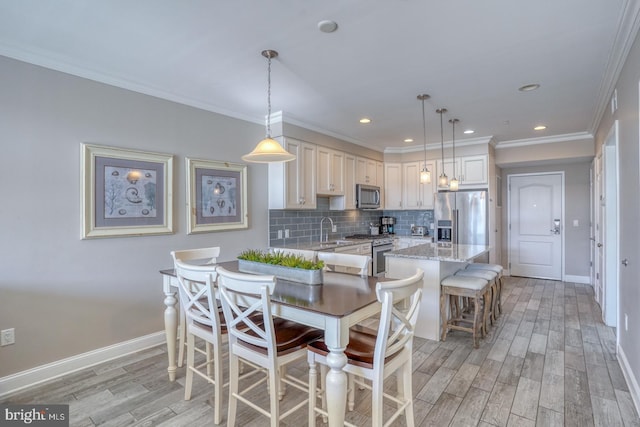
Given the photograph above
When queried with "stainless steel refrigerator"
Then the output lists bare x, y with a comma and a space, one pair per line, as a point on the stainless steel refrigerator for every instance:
461, 217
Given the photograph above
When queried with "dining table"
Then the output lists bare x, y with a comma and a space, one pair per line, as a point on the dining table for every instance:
338, 303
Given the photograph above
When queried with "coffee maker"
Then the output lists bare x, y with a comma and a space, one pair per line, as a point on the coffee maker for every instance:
387, 224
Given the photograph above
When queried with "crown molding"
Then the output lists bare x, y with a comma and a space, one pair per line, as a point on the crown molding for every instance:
545, 140
437, 146
627, 31
281, 116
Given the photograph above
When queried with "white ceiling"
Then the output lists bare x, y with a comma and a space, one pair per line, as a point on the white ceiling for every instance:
470, 56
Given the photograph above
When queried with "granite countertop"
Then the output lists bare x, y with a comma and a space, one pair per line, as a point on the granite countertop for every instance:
321, 246
437, 252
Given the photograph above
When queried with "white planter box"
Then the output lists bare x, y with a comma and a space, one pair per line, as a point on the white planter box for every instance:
308, 277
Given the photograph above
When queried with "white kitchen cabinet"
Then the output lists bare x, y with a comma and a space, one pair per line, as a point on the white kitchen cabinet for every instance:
471, 171
349, 181
292, 185
393, 186
330, 172
474, 171
416, 195
366, 171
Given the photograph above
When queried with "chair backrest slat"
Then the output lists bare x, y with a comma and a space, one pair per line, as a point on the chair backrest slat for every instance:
198, 295
400, 306
234, 288
348, 263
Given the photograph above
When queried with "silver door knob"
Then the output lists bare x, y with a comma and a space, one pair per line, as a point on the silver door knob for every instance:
625, 262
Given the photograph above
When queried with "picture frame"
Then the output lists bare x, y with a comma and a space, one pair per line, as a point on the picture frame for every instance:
216, 196
125, 192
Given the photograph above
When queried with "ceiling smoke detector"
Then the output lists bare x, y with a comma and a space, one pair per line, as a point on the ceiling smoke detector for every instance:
327, 26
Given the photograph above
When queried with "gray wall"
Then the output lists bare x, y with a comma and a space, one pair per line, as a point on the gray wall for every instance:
577, 206
629, 239
66, 296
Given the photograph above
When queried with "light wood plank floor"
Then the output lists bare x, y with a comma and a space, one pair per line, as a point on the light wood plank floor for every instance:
549, 361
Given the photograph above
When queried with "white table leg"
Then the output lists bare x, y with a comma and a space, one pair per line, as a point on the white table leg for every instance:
170, 323
336, 386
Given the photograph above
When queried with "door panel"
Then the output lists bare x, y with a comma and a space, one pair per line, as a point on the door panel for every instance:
536, 235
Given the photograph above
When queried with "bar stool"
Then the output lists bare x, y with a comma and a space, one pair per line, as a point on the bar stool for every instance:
497, 268
463, 286
492, 279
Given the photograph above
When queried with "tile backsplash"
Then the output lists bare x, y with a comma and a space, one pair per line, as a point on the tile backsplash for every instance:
304, 225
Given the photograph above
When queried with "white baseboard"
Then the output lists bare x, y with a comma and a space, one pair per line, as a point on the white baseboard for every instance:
39, 374
585, 280
632, 381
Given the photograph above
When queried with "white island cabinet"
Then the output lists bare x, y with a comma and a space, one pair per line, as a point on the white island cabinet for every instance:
437, 262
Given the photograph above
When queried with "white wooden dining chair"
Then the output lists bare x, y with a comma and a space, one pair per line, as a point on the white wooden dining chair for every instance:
199, 256
374, 356
271, 344
203, 320
345, 263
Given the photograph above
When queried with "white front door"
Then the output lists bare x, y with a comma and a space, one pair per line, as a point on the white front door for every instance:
536, 225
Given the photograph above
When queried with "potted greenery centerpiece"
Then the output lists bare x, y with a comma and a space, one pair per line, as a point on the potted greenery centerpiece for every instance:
282, 265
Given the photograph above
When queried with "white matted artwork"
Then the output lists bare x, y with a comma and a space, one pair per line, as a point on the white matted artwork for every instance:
216, 196
125, 192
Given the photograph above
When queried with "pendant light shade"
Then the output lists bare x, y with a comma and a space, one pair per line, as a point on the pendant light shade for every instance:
268, 150
425, 174
453, 184
443, 180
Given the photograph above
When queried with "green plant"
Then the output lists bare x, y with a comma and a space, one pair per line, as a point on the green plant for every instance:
280, 258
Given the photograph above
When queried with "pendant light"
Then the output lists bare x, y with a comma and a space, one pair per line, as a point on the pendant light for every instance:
453, 184
268, 150
443, 181
425, 174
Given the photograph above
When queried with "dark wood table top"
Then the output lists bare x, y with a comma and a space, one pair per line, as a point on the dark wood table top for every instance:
339, 295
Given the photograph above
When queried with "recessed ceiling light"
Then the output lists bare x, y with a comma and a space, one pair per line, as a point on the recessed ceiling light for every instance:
408, 140
327, 26
365, 120
529, 87
540, 127
468, 131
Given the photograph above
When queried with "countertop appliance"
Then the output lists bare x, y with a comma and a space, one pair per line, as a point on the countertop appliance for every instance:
367, 196
461, 217
388, 224
379, 245
419, 230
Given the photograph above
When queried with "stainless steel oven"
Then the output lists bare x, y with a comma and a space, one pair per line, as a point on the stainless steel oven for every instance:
379, 245
377, 253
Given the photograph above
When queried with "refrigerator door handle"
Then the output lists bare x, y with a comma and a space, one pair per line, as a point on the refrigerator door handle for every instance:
454, 226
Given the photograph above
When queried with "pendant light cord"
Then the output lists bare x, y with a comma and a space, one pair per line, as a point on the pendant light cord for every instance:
269, 98
424, 133
442, 136
453, 138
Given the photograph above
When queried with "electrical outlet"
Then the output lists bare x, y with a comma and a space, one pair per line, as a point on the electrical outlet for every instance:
334, 228
286, 233
279, 234
7, 337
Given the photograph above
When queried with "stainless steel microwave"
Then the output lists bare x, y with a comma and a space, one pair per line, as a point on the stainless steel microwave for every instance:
367, 196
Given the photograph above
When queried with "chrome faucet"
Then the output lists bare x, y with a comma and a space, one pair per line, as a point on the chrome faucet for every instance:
321, 221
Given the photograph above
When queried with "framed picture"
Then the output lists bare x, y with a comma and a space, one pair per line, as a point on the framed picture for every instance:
125, 192
216, 196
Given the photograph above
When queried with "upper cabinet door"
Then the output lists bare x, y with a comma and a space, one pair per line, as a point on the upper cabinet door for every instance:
292, 185
393, 186
471, 171
366, 170
349, 181
330, 172
474, 171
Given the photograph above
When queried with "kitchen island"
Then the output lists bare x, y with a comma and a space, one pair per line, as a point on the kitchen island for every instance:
437, 261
